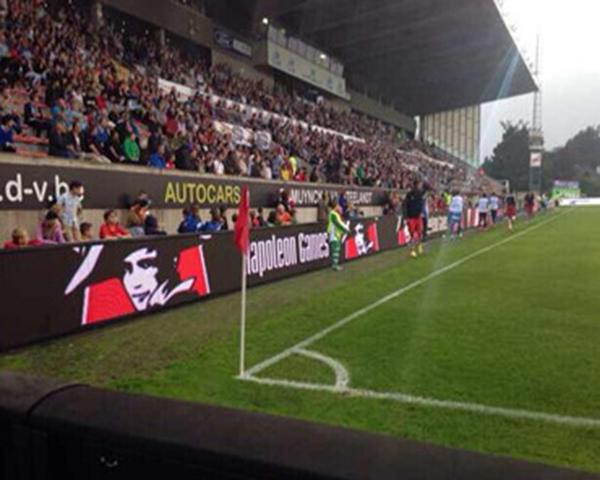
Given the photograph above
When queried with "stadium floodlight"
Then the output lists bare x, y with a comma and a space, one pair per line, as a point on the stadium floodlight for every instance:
265, 21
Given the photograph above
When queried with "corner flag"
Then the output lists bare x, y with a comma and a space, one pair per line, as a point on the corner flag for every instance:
242, 224
241, 239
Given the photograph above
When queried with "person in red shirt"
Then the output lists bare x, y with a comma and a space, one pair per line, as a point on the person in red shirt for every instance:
111, 228
20, 239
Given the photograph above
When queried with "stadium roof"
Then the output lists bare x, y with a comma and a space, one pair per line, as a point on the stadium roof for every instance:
423, 56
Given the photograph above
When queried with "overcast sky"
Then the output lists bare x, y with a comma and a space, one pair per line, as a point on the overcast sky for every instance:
570, 70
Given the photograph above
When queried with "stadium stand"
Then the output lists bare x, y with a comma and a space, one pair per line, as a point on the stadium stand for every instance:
225, 124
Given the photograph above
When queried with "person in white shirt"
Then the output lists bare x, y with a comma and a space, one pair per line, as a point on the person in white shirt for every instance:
483, 207
455, 211
494, 206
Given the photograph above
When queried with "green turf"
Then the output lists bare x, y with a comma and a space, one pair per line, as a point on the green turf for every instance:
515, 327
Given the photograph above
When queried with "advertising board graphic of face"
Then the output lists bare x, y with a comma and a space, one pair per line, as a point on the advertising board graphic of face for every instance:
147, 277
362, 240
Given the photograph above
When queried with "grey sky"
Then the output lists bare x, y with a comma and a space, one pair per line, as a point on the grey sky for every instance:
570, 70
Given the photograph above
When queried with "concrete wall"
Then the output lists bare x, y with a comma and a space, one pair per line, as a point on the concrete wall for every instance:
171, 16
375, 109
243, 66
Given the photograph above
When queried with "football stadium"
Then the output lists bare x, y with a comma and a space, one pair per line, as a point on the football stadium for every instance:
255, 240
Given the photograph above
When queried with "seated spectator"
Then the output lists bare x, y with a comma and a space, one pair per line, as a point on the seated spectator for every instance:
184, 158
260, 218
136, 218
191, 220
85, 230
58, 141
254, 223
131, 149
111, 228
216, 222
157, 159
272, 219
170, 161
283, 217
34, 118
7, 135
20, 239
301, 175
223, 211
49, 231
151, 226
114, 150
73, 140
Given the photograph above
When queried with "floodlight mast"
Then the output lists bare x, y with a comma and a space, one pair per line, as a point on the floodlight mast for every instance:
536, 135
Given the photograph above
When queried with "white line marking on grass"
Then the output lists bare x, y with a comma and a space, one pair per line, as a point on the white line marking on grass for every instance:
342, 377
345, 321
434, 403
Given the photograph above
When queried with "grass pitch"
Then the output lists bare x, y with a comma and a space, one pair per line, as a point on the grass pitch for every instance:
515, 327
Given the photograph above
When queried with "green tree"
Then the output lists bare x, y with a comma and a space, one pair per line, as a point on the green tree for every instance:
510, 160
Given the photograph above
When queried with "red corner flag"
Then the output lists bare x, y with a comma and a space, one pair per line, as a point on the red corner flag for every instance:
242, 224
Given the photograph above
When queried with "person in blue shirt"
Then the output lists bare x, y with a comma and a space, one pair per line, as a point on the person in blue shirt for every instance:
191, 220
7, 135
215, 224
157, 159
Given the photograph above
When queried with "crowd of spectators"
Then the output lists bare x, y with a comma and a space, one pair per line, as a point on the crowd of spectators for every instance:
105, 105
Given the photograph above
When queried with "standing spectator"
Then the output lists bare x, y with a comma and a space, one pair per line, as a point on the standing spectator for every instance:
336, 229
529, 204
483, 207
412, 209
72, 208
111, 228
494, 206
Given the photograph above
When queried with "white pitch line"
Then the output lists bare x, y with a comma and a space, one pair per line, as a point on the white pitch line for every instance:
342, 377
343, 322
432, 402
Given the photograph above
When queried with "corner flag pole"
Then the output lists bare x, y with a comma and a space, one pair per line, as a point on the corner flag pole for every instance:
243, 319
242, 240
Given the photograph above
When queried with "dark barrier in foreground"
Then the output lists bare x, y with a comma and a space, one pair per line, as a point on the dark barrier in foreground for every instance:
51, 430
51, 291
